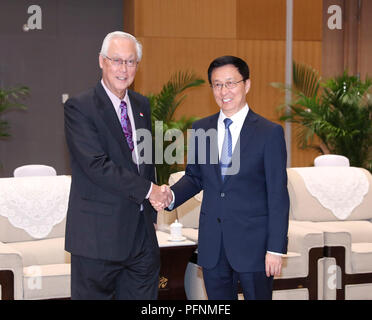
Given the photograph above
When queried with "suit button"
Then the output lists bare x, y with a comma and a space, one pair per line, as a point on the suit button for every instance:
219, 220
222, 194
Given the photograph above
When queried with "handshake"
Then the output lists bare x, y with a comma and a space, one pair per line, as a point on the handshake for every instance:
160, 197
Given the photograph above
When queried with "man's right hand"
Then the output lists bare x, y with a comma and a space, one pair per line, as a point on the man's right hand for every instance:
160, 197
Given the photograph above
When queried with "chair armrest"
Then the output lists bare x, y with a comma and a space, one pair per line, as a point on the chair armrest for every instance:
335, 237
301, 237
11, 259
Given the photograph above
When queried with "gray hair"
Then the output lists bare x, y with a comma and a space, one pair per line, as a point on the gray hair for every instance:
121, 34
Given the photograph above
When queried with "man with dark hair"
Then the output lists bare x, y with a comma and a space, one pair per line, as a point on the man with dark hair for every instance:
238, 63
244, 213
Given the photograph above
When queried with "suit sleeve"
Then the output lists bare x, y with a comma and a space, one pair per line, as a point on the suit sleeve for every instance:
86, 150
191, 183
275, 158
154, 213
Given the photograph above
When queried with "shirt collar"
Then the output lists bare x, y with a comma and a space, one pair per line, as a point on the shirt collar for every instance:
237, 117
114, 99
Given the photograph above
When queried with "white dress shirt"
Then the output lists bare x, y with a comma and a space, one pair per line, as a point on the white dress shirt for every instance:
235, 128
116, 103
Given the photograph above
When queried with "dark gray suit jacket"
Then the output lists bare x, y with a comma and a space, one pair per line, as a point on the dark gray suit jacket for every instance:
106, 190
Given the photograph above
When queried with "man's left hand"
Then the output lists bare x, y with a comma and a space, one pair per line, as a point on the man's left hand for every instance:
273, 264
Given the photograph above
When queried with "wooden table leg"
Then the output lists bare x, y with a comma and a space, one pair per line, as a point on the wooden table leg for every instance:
7, 284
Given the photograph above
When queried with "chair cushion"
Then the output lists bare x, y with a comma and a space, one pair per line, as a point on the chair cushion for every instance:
42, 252
47, 281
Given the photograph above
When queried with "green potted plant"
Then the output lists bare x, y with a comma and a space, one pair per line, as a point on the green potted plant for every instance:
338, 111
163, 107
9, 101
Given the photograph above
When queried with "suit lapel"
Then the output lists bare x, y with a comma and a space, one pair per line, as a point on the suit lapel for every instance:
139, 121
108, 114
245, 136
213, 149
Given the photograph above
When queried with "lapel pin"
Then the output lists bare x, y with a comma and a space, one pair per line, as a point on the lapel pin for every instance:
141, 114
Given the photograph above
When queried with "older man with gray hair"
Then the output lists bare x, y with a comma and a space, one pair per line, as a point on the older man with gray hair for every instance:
109, 231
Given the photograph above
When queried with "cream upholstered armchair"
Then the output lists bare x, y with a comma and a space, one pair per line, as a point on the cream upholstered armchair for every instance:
301, 277
33, 262
338, 202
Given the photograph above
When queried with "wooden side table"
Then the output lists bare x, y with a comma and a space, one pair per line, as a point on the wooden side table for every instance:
174, 257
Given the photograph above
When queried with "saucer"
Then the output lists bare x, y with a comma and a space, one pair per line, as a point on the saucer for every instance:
177, 239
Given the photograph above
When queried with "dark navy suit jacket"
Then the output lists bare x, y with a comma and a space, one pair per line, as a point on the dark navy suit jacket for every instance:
107, 189
248, 211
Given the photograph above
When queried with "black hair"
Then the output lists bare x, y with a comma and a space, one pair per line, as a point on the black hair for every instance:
240, 64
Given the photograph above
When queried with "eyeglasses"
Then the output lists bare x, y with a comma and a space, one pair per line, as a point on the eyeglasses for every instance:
117, 62
227, 85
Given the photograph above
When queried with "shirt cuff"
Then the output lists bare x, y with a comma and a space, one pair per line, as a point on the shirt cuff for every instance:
148, 193
171, 205
276, 253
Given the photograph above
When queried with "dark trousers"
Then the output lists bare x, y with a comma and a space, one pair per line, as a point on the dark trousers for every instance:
221, 282
135, 278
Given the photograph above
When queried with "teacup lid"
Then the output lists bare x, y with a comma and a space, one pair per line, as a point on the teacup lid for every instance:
176, 224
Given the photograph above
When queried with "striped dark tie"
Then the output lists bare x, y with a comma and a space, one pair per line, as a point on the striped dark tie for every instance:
226, 153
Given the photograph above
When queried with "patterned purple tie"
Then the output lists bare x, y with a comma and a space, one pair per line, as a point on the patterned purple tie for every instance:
125, 124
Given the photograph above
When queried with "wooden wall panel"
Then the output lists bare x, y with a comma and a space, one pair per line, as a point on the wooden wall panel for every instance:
307, 20
332, 43
301, 157
186, 18
258, 20
164, 56
266, 60
129, 16
365, 65
308, 52
189, 34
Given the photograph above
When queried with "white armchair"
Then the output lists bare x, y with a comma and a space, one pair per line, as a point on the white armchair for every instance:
337, 201
33, 262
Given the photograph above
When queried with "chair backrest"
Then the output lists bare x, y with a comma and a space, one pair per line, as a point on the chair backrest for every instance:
34, 170
33, 208
330, 194
188, 213
331, 160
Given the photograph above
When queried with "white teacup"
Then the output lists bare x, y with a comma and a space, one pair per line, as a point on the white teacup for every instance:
176, 230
